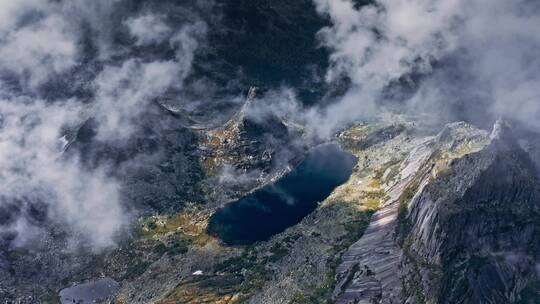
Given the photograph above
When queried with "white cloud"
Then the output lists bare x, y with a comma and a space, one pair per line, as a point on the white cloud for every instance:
39, 50
123, 94
148, 29
12, 11
186, 41
39, 41
33, 172
492, 42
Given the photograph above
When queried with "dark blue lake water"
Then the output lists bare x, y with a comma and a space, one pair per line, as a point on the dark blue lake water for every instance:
274, 208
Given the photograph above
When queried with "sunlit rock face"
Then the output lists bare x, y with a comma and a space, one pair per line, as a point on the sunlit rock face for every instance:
472, 236
128, 126
458, 225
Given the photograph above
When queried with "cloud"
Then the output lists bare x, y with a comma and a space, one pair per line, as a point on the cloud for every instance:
231, 177
186, 41
471, 55
35, 175
281, 103
44, 44
35, 51
148, 29
123, 94
12, 11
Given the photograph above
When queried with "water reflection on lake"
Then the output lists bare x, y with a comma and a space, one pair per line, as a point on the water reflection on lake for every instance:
278, 206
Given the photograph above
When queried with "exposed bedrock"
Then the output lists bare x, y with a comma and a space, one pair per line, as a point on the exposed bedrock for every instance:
459, 225
472, 235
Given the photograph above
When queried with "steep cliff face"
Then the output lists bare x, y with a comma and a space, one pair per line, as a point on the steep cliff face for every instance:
369, 269
459, 225
471, 233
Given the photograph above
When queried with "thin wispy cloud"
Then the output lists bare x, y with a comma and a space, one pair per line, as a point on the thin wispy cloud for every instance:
43, 41
478, 59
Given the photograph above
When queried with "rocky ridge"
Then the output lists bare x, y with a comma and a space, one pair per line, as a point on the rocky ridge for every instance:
380, 237
424, 218
457, 225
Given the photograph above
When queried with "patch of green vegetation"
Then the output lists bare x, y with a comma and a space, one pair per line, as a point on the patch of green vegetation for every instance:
180, 223
394, 172
418, 260
320, 293
252, 271
291, 238
246, 260
349, 138
354, 230
375, 183
403, 223
207, 288
241, 275
455, 282
136, 269
176, 246
379, 173
278, 252
222, 284
408, 194
160, 249
358, 130
51, 298
374, 195
412, 284
372, 203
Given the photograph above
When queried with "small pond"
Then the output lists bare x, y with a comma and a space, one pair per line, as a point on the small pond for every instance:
91, 292
274, 208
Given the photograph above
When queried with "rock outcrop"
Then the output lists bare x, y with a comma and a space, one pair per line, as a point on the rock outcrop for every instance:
459, 225
451, 217
473, 230
252, 147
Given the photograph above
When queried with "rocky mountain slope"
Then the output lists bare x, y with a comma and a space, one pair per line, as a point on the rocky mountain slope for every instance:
457, 226
141, 140
450, 217
445, 218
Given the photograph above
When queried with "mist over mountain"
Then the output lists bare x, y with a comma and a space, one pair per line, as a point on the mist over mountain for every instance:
112, 62
130, 130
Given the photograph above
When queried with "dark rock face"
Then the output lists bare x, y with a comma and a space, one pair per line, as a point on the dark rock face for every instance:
473, 231
159, 165
263, 43
274, 43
